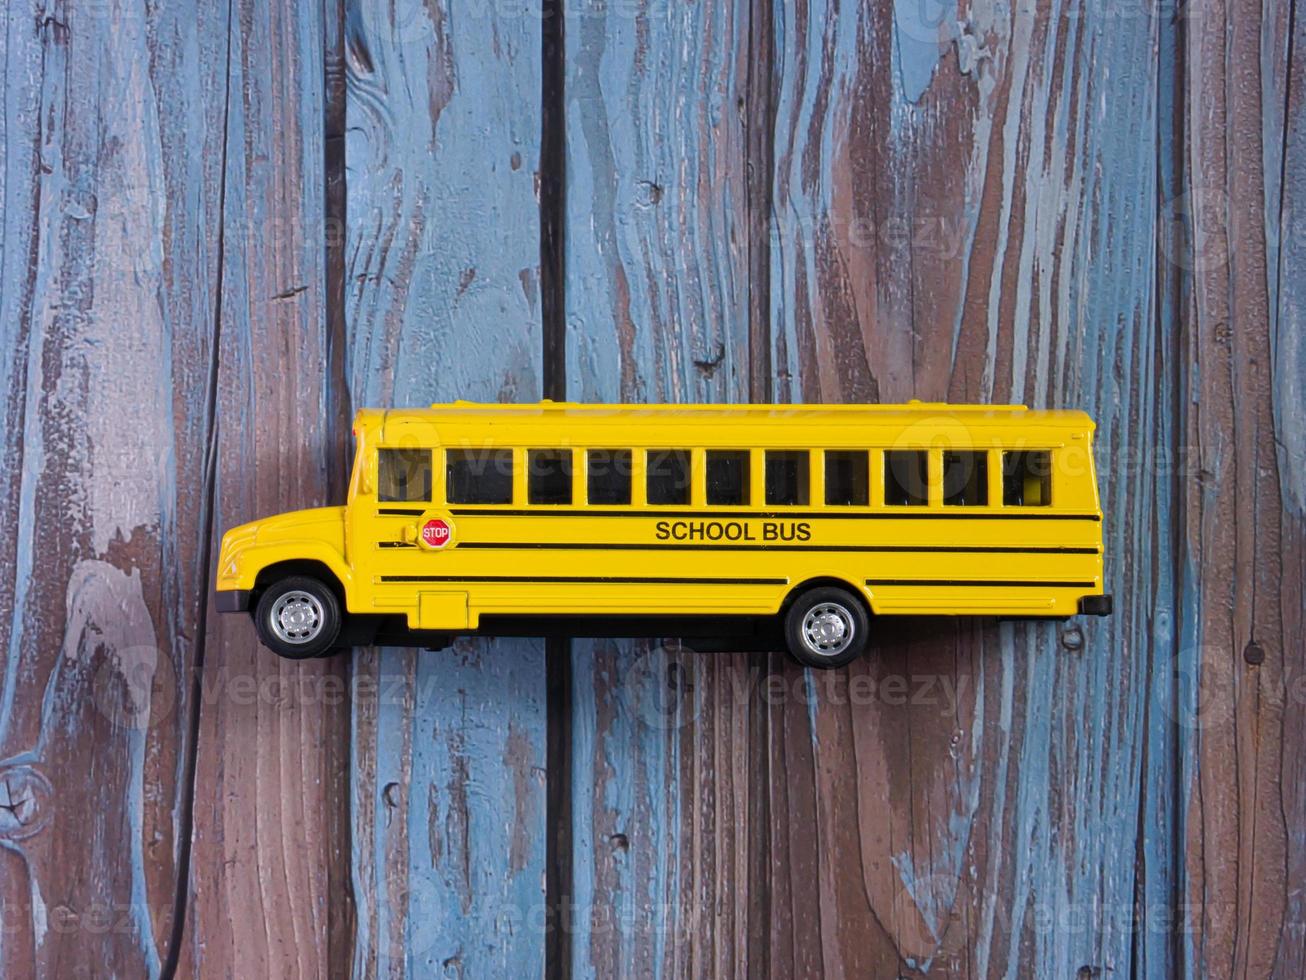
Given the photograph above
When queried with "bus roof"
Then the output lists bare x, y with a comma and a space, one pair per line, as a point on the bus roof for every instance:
601, 416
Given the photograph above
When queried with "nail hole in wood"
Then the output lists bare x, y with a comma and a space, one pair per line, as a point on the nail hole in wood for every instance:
650, 193
708, 365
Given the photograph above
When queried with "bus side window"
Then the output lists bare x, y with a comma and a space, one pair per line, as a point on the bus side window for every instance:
965, 479
548, 476
609, 476
404, 475
906, 478
847, 478
727, 476
1027, 479
478, 476
668, 476
787, 477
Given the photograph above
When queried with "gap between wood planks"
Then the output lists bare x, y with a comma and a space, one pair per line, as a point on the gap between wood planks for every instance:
558, 884
1171, 178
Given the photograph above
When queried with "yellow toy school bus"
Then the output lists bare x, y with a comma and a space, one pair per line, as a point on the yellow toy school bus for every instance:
625, 519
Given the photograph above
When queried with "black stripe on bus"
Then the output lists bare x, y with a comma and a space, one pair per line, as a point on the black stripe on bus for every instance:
874, 548
988, 584
395, 544
772, 514
586, 579
400, 512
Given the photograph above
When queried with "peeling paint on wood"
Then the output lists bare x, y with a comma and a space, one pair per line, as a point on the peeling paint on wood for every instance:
992, 234
441, 252
107, 285
1065, 204
660, 226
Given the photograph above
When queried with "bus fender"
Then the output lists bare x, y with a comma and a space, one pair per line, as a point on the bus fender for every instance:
253, 562
861, 591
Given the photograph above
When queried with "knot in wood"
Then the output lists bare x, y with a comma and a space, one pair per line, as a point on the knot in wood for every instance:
24, 802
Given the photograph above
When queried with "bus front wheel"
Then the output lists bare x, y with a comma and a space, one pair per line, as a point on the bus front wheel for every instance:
827, 627
298, 617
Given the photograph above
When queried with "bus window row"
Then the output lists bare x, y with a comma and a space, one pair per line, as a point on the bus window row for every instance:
485, 476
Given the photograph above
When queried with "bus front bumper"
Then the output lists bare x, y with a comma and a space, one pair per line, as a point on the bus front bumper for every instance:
1096, 605
233, 600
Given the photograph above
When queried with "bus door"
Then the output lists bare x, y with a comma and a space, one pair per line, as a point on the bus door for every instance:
409, 537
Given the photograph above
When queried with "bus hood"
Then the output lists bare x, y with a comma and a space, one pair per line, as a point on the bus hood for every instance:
316, 522
316, 526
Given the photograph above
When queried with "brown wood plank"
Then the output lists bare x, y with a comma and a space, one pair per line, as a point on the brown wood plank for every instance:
963, 211
1287, 336
1242, 520
269, 891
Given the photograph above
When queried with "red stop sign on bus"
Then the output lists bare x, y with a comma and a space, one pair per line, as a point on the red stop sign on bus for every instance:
435, 533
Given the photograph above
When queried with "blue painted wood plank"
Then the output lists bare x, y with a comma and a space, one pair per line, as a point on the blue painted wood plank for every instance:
110, 129
976, 225
657, 224
658, 237
901, 231
448, 796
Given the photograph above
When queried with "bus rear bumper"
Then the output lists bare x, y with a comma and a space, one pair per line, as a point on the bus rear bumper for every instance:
1096, 605
233, 600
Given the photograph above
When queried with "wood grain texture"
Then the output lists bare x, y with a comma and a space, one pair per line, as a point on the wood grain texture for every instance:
931, 238
658, 224
110, 153
659, 228
1286, 335
1243, 585
268, 884
977, 224
1065, 203
442, 256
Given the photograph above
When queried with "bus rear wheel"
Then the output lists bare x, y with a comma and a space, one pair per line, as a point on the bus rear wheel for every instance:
827, 627
298, 617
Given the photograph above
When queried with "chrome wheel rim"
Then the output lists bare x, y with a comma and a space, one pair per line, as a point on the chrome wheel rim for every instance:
297, 617
828, 629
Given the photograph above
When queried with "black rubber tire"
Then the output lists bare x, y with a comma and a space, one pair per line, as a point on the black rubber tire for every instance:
854, 611
323, 642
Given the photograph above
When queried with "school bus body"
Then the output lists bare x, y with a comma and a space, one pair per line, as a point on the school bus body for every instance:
693, 558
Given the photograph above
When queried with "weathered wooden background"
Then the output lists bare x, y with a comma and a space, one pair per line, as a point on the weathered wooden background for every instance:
228, 223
